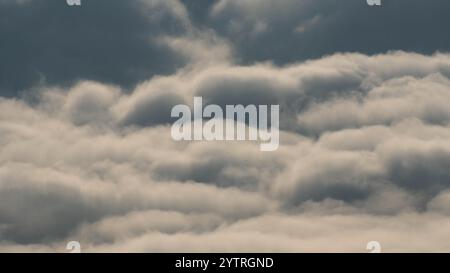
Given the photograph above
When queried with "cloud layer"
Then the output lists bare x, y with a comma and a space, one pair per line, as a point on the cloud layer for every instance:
287, 30
367, 158
86, 152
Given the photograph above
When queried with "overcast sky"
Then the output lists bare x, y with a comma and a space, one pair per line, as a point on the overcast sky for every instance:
86, 152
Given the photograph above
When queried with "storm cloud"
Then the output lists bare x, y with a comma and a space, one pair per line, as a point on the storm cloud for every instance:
86, 152
287, 30
46, 42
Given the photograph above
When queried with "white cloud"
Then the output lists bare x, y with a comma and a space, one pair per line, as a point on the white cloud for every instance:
365, 166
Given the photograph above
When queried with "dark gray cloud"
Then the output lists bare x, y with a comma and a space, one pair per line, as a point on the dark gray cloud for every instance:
113, 41
119, 42
199, 10
364, 148
420, 166
152, 111
288, 30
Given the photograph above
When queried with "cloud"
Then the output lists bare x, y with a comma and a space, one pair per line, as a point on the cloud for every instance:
112, 41
282, 233
289, 30
125, 43
363, 156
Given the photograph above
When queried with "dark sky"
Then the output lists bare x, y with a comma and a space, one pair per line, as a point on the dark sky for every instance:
115, 41
86, 151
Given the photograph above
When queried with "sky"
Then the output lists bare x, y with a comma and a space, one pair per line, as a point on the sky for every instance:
86, 152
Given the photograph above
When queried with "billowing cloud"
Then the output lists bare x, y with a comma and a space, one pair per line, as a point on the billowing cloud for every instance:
86, 149
286, 30
113, 41
97, 164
